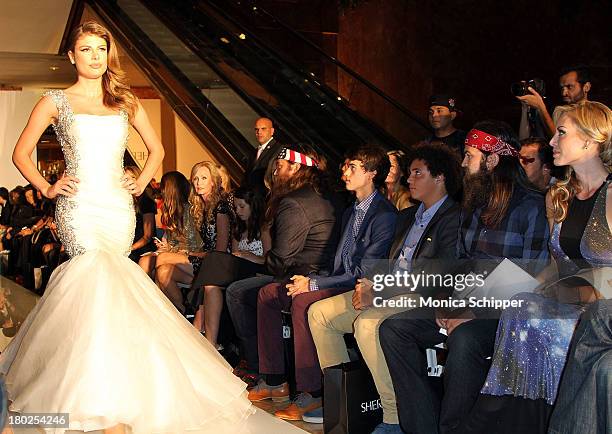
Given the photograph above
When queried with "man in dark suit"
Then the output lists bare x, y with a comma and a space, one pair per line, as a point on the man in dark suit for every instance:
368, 228
266, 152
423, 233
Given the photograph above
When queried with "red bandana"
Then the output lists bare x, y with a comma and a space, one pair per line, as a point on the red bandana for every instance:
489, 143
296, 157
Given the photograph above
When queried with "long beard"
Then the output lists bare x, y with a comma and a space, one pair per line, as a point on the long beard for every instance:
279, 184
476, 190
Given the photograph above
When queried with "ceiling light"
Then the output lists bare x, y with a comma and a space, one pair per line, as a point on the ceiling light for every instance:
54, 68
242, 36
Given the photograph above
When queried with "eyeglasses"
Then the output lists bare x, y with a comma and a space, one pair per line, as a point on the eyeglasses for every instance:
527, 160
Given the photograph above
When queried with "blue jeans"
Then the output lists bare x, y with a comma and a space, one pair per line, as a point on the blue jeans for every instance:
584, 403
404, 337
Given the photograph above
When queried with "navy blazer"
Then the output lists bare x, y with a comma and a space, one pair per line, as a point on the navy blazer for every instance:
437, 248
373, 242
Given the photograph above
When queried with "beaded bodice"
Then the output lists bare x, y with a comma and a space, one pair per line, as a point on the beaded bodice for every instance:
596, 243
101, 215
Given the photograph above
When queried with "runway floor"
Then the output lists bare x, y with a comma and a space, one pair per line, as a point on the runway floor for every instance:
19, 301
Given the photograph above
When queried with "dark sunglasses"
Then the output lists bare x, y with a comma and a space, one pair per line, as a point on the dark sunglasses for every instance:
527, 160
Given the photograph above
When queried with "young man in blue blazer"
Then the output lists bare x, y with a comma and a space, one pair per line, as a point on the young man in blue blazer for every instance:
425, 238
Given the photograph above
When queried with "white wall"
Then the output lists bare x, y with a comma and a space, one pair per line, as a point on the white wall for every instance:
15, 109
189, 151
135, 144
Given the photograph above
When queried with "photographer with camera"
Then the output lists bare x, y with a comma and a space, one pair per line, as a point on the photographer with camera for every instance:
535, 119
575, 84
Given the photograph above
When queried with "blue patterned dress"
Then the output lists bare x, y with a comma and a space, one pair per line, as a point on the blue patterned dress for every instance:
532, 342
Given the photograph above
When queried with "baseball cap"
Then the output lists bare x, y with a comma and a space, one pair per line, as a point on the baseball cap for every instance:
444, 101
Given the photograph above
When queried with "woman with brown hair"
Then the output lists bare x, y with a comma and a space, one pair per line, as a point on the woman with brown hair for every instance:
181, 235
251, 241
103, 344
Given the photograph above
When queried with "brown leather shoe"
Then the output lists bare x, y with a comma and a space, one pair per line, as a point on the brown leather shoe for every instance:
302, 404
262, 391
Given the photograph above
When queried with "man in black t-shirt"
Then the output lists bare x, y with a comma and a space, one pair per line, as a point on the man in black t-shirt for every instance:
442, 113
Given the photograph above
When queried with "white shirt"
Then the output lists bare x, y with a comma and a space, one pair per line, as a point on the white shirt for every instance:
262, 147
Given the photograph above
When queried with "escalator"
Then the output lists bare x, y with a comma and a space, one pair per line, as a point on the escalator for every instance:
218, 76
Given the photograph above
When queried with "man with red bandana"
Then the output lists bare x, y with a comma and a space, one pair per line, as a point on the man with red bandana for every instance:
503, 216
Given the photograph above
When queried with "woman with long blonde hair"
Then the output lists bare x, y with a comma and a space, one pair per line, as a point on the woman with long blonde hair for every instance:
212, 216
533, 340
103, 344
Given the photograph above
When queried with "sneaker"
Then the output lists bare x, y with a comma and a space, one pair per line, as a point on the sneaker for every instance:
303, 403
314, 416
387, 428
263, 391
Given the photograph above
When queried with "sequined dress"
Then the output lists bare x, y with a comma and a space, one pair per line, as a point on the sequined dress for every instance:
533, 341
104, 344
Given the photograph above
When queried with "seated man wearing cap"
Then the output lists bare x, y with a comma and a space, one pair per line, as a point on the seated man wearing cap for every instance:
442, 114
503, 216
368, 229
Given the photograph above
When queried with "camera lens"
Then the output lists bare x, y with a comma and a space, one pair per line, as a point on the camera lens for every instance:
518, 89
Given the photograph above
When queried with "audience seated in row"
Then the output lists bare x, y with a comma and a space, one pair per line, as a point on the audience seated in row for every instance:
309, 254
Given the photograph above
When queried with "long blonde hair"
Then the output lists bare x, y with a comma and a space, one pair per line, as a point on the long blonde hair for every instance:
226, 181
593, 120
117, 93
201, 210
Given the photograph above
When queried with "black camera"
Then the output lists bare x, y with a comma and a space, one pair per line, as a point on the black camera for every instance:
520, 88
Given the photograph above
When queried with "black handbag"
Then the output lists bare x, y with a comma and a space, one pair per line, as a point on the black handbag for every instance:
351, 401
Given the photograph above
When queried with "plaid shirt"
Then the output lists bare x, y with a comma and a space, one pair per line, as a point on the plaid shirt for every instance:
521, 236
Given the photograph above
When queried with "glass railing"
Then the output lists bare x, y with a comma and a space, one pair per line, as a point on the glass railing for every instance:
301, 104
219, 76
306, 56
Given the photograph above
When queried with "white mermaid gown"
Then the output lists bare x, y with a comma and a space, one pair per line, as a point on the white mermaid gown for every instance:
104, 344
